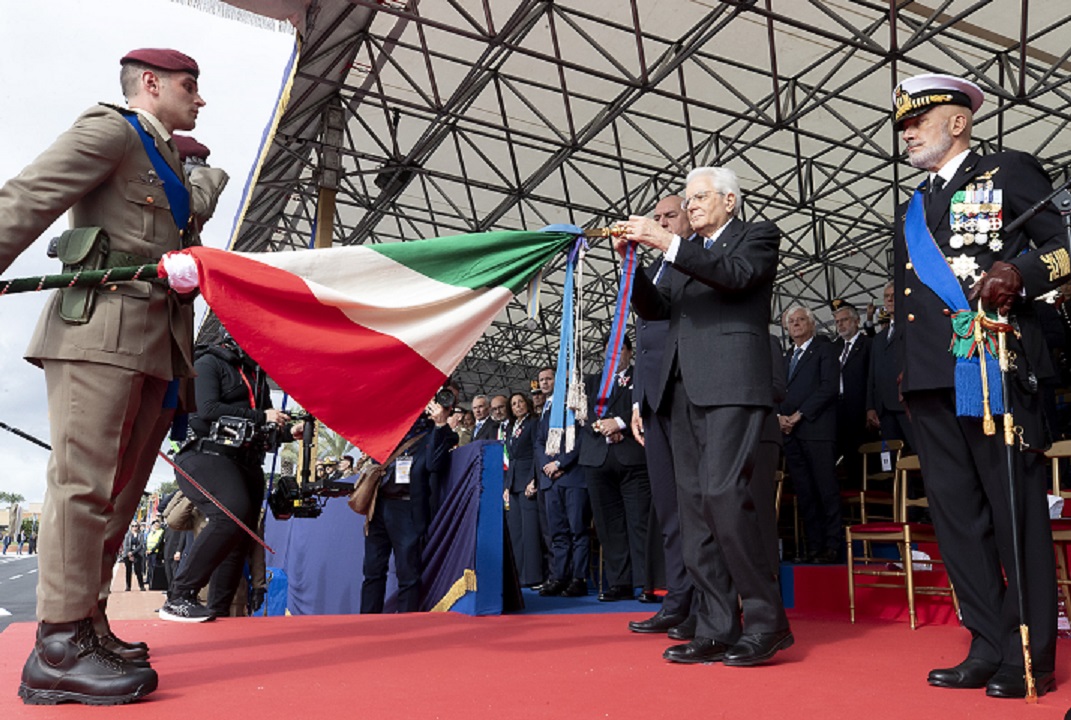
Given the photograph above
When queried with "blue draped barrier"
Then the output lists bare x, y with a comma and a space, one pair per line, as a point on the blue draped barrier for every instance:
321, 558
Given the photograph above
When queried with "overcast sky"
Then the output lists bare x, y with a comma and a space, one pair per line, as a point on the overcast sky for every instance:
59, 57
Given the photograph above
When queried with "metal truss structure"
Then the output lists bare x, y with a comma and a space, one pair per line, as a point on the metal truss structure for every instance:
424, 119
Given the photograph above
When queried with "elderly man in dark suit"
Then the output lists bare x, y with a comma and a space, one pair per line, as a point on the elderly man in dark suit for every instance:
107, 366
884, 409
715, 383
953, 251
808, 417
486, 428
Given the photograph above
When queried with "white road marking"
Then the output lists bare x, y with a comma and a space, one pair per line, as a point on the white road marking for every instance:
14, 577
4, 612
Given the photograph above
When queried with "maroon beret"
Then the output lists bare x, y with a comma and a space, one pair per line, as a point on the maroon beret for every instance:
188, 147
164, 59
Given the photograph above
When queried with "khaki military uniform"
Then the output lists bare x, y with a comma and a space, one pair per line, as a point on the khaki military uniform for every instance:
106, 378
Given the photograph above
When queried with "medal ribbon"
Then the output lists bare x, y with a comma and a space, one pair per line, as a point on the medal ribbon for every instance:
933, 270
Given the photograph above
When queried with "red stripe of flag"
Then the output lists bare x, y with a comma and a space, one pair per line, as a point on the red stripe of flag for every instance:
365, 385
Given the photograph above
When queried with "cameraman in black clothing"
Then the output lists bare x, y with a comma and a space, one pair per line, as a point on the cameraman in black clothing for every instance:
403, 512
234, 427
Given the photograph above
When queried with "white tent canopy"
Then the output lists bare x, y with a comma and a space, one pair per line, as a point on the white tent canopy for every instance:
448, 116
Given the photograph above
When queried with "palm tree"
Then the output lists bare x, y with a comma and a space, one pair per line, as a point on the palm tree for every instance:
328, 443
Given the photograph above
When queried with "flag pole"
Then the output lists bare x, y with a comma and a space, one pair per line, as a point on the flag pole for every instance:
82, 278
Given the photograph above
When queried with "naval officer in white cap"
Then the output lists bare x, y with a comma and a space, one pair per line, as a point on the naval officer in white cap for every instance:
952, 250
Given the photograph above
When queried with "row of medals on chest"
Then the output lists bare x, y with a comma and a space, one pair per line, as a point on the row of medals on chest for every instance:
976, 216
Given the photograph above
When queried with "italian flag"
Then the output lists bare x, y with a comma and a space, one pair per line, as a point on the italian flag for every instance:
363, 336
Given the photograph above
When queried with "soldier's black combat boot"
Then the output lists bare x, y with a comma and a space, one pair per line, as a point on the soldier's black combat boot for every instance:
68, 664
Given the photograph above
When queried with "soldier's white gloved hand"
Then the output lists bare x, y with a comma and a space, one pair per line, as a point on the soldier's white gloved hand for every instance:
180, 269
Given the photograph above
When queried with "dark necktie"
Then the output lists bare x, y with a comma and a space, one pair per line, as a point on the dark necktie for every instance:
794, 361
936, 185
845, 352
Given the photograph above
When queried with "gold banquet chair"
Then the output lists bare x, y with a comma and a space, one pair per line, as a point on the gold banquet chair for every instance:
878, 485
903, 534
1061, 527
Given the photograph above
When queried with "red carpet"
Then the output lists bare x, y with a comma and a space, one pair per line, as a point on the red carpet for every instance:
526, 667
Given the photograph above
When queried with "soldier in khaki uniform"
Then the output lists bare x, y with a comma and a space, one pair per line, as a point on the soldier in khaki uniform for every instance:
107, 376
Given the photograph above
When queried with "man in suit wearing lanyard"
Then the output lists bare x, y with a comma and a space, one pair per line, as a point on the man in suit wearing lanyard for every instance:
106, 372
952, 251
716, 384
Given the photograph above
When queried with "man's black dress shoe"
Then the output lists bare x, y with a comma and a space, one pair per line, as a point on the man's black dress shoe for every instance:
660, 622
1010, 682
757, 648
553, 587
699, 650
971, 673
649, 597
684, 631
576, 588
616, 592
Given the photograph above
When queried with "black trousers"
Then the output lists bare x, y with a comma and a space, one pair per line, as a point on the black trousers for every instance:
679, 587
218, 553
714, 452
967, 484
897, 426
134, 565
811, 466
522, 521
393, 529
568, 515
621, 505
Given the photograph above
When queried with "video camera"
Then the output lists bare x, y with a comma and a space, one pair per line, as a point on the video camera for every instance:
303, 496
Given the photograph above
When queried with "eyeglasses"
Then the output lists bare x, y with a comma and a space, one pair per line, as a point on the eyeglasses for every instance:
699, 197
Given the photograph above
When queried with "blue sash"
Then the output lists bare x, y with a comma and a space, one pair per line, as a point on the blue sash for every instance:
178, 197
933, 270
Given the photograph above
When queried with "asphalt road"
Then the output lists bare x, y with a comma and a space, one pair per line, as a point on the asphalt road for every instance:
18, 588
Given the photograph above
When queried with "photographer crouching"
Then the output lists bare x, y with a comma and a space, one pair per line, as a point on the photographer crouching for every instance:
234, 427
404, 508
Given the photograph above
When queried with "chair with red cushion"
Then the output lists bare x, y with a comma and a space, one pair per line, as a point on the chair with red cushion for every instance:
891, 575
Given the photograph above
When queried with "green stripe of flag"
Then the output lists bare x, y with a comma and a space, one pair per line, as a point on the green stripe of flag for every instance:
493, 259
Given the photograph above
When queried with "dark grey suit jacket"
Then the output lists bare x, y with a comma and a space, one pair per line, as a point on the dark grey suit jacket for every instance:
882, 391
718, 306
812, 390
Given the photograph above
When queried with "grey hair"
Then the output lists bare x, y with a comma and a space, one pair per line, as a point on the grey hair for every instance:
795, 309
477, 397
724, 181
851, 311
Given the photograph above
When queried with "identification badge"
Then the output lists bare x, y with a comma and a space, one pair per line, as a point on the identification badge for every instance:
886, 461
402, 467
